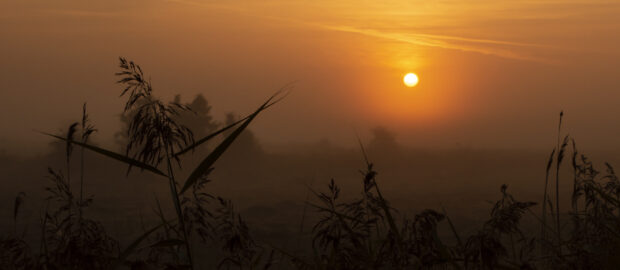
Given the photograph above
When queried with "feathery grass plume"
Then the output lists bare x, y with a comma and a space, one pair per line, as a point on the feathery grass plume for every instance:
73, 242
485, 248
154, 138
241, 249
362, 233
507, 213
594, 239
358, 234
135, 83
154, 134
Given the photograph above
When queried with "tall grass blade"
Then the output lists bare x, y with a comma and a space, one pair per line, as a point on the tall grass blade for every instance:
206, 164
545, 195
179, 211
605, 196
208, 137
214, 134
113, 155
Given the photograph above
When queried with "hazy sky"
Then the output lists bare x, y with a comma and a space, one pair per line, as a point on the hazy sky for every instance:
492, 73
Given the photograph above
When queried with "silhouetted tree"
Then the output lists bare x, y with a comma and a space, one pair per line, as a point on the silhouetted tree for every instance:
199, 120
383, 141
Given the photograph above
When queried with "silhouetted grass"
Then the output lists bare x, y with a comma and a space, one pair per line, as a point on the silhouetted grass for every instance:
361, 233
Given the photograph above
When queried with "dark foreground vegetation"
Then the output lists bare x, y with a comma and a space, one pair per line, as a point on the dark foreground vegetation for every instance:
364, 232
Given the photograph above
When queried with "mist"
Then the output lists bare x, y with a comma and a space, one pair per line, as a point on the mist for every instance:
477, 92
281, 134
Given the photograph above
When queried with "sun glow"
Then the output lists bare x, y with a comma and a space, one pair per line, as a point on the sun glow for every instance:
411, 79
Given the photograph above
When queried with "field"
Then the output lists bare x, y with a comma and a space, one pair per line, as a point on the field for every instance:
206, 198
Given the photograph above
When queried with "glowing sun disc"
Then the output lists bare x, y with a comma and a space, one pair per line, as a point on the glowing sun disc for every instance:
411, 79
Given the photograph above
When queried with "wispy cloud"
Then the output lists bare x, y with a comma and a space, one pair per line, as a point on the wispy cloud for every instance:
494, 47
442, 41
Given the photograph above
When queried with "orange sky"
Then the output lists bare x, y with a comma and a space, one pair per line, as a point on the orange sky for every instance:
492, 73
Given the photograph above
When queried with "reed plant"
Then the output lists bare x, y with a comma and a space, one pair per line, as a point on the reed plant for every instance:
156, 140
362, 233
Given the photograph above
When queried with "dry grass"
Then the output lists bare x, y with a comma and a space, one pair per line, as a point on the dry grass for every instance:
365, 232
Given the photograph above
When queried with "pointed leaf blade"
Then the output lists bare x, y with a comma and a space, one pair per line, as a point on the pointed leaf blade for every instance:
113, 155
218, 132
206, 163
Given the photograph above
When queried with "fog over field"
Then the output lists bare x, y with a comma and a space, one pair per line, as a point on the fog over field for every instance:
492, 74
285, 134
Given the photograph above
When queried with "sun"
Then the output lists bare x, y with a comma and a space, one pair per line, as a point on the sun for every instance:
411, 79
